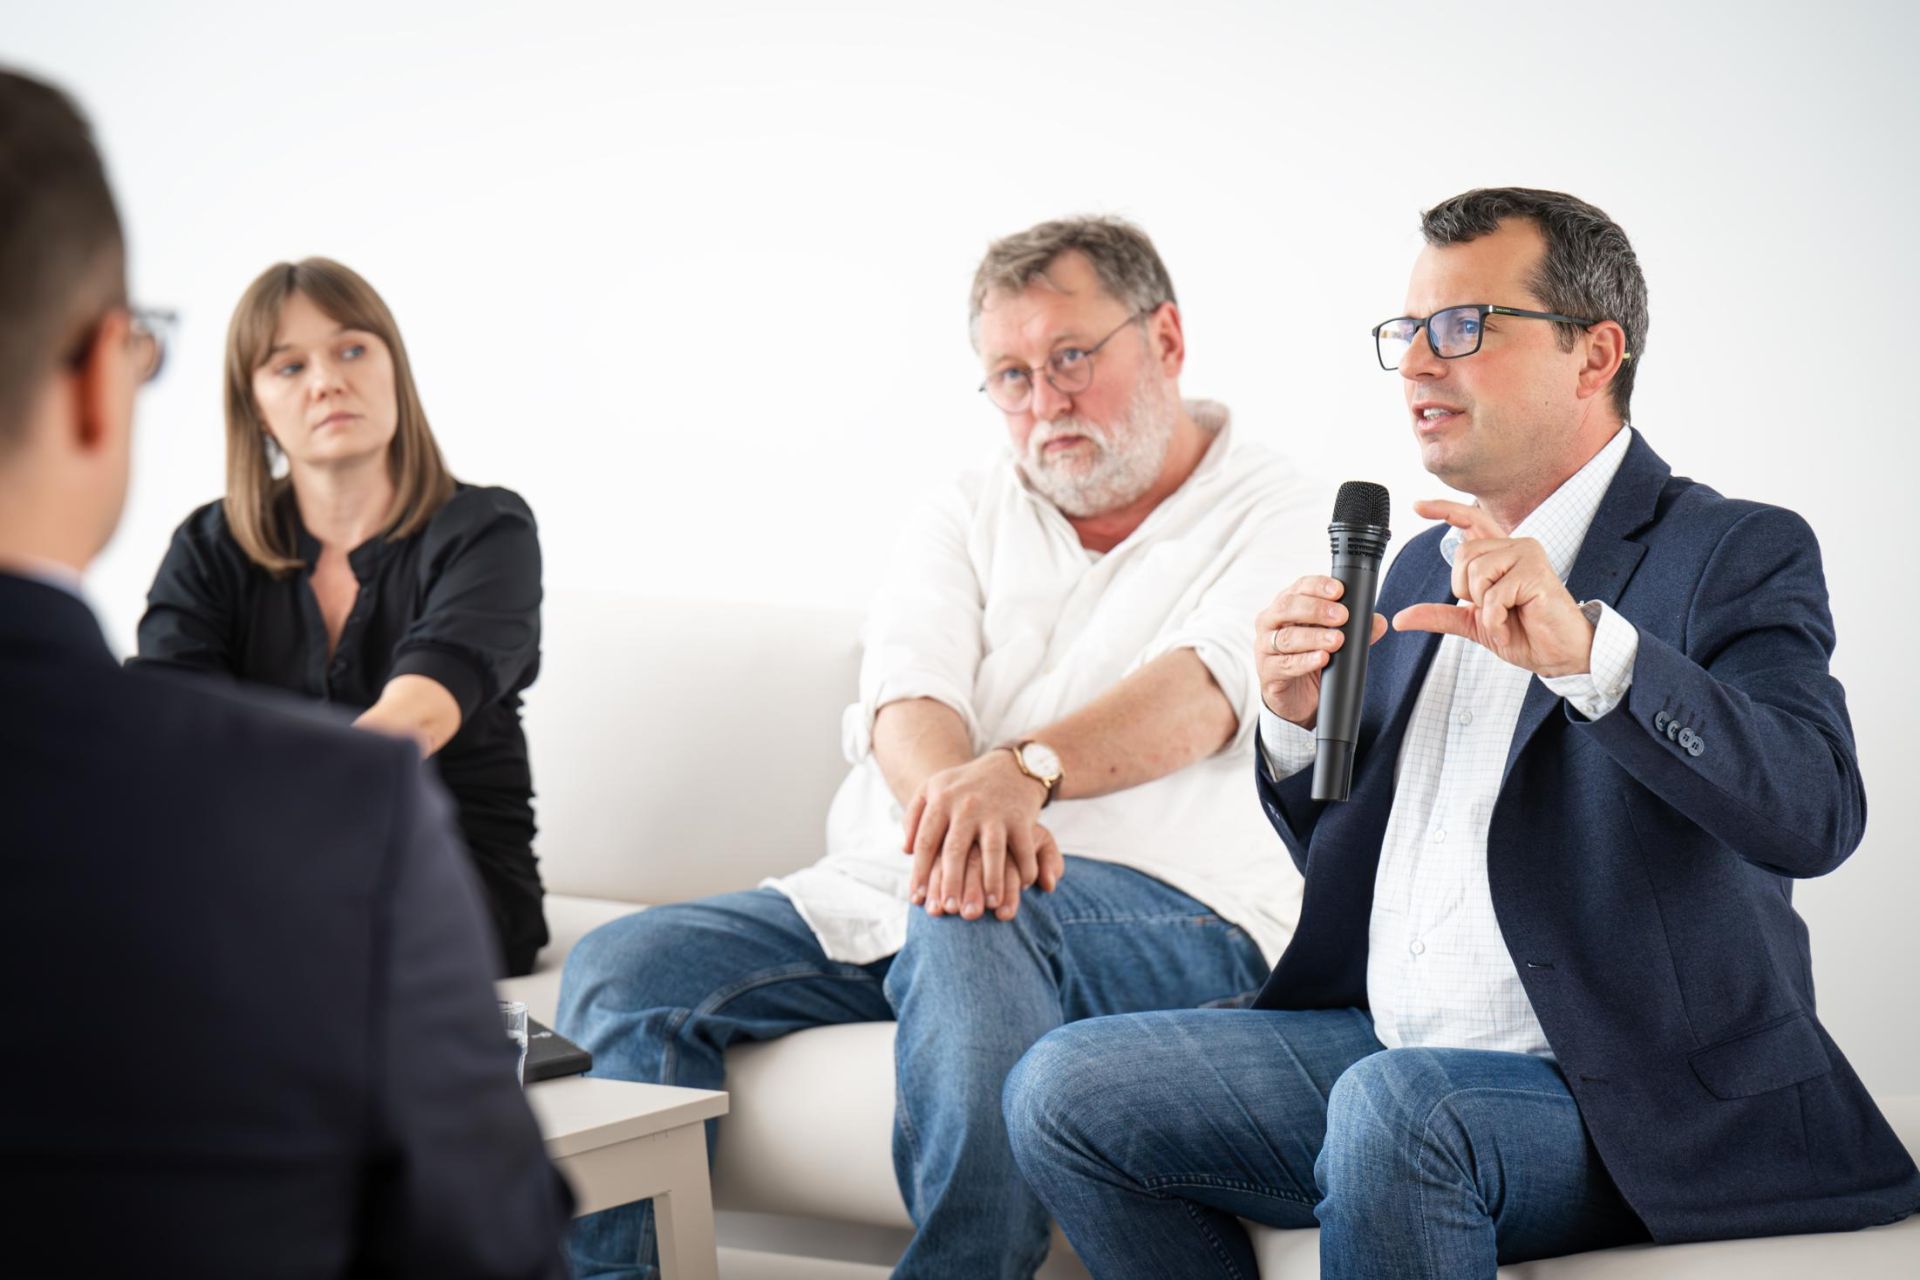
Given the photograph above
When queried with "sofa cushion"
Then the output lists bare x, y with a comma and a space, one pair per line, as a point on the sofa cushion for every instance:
809, 1130
684, 749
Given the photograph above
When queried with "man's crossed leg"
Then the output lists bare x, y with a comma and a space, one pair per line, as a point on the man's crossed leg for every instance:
1413, 1162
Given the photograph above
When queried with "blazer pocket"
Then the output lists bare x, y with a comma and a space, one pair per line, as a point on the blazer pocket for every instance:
1779, 1054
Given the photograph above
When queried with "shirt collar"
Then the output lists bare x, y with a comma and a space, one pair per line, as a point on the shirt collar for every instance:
1213, 418
49, 573
1560, 523
364, 559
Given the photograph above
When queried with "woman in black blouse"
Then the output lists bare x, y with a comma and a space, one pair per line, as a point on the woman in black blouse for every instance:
363, 574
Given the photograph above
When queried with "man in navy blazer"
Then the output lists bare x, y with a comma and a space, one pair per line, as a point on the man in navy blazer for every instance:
1548, 991
248, 1029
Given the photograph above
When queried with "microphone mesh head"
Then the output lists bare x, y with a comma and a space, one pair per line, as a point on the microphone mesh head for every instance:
1359, 502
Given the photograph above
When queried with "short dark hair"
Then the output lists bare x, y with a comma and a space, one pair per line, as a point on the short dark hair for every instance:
62, 256
1588, 270
1126, 262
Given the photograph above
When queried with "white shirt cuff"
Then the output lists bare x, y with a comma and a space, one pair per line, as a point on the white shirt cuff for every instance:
1616, 642
1288, 748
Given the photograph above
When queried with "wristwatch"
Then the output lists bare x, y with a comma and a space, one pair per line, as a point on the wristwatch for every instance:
1038, 761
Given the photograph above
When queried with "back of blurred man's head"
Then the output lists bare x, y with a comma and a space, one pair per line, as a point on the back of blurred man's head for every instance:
65, 393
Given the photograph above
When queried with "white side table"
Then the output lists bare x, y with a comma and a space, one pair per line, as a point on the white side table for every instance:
618, 1142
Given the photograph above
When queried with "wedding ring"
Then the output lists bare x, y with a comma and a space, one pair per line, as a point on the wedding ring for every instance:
1274, 641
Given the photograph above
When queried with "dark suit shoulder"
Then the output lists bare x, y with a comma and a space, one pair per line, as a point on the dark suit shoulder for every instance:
185, 708
189, 706
287, 760
213, 876
1701, 515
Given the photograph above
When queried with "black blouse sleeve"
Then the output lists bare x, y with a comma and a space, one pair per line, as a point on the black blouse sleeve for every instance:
478, 632
195, 597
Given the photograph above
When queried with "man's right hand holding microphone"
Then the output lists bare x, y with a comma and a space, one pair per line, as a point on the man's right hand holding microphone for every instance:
1294, 638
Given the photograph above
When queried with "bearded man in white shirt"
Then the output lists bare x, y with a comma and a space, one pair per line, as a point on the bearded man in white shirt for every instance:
1548, 992
1044, 820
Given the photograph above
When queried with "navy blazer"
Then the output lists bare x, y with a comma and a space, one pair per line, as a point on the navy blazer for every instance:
1642, 866
247, 1027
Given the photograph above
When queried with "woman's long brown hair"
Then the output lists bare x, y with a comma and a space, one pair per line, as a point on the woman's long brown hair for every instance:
255, 515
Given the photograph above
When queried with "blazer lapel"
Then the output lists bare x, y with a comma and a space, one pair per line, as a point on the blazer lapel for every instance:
1607, 560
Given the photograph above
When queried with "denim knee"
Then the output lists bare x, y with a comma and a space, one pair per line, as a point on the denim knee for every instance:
623, 963
1046, 1095
602, 953
1382, 1114
945, 947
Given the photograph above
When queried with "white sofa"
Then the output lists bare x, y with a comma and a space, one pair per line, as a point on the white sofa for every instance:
683, 749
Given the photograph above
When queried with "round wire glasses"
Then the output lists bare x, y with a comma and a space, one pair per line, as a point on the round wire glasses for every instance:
1068, 370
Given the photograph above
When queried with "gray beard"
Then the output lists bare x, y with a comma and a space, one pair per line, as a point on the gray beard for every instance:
1128, 457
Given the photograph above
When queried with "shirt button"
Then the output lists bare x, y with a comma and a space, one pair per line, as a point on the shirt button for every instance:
1465, 717
1439, 835
1416, 946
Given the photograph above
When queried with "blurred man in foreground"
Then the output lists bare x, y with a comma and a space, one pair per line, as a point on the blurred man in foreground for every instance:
250, 1032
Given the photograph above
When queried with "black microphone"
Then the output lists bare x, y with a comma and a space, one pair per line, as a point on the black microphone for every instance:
1359, 532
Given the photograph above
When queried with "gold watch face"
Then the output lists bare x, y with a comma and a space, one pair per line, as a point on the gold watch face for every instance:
1041, 761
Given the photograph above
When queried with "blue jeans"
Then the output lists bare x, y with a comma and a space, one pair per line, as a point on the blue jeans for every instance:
1416, 1163
660, 995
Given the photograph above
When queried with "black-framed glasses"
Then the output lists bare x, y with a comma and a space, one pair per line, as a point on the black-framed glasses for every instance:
1452, 332
149, 333
1069, 371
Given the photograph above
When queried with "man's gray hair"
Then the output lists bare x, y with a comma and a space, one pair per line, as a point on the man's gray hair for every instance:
1589, 269
1122, 256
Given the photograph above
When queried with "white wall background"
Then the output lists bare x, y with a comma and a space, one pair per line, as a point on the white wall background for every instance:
692, 277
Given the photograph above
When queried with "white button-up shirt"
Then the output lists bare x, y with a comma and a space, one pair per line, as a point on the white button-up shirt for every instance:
994, 608
1438, 970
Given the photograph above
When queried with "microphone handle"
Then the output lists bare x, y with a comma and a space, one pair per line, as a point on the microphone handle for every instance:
1356, 564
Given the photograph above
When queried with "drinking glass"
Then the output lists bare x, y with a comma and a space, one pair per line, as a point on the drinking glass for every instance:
513, 1014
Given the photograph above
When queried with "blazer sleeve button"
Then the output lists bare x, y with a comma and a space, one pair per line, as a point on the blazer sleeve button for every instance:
1699, 747
1660, 719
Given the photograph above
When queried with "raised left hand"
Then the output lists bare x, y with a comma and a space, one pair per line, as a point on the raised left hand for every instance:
1511, 600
